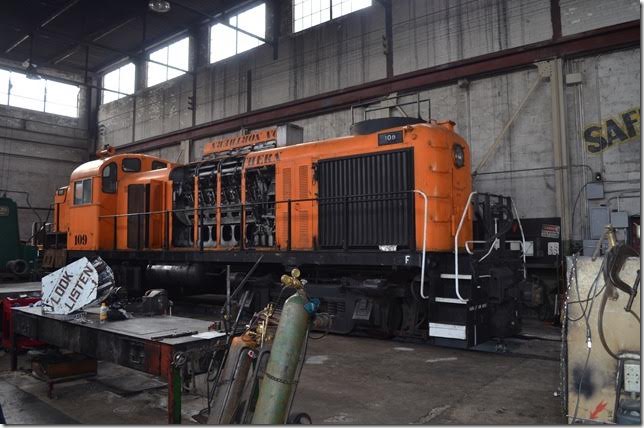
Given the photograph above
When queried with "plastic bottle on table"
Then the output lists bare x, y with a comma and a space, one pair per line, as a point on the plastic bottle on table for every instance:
102, 315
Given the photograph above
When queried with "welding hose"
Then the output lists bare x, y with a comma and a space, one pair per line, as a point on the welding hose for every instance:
602, 306
600, 324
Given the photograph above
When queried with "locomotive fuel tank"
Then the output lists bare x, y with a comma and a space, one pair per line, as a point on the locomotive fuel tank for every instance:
181, 279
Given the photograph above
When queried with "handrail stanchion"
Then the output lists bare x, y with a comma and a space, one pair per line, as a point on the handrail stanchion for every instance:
345, 244
422, 269
288, 236
166, 230
138, 231
242, 226
114, 237
200, 229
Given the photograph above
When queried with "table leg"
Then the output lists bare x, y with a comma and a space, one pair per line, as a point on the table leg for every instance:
14, 352
174, 395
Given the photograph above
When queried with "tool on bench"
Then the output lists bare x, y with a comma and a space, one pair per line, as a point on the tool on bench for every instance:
174, 335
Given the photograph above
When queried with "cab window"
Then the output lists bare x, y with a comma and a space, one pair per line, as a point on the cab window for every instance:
131, 165
109, 178
83, 192
158, 165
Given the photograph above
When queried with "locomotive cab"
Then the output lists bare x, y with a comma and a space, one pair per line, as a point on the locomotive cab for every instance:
106, 199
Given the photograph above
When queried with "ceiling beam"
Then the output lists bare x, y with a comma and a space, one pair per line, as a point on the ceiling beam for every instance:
605, 39
95, 37
220, 18
41, 25
180, 31
126, 54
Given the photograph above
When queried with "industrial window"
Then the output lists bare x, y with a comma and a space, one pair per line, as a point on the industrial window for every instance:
175, 55
226, 41
83, 192
61, 98
309, 13
17, 90
158, 165
131, 165
120, 80
109, 178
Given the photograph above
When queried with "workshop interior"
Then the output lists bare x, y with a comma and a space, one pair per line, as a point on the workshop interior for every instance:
364, 212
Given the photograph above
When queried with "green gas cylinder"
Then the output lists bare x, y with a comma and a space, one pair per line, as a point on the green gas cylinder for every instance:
279, 378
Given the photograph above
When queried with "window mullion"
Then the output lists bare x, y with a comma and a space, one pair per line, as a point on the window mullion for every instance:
9, 90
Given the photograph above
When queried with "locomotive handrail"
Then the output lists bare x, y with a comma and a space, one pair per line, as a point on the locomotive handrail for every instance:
244, 206
516, 214
458, 231
422, 268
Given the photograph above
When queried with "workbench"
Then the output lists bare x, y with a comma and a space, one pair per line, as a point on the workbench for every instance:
17, 289
128, 343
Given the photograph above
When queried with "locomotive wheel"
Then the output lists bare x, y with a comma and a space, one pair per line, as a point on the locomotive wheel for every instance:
299, 419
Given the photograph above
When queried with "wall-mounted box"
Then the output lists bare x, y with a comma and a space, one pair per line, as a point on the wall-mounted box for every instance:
619, 219
599, 218
595, 190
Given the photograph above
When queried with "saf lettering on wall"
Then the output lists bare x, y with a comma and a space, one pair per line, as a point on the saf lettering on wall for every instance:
613, 131
70, 288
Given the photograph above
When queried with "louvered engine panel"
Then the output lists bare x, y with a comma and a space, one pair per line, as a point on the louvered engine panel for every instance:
361, 204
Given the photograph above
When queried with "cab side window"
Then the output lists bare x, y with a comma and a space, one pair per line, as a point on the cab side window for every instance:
158, 165
109, 178
131, 165
83, 192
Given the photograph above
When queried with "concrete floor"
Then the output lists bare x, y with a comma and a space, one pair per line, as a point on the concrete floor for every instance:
346, 380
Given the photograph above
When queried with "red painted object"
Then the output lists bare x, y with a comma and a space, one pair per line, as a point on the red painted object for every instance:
7, 322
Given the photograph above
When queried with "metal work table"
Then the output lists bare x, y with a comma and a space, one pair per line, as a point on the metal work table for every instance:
128, 343
15, 289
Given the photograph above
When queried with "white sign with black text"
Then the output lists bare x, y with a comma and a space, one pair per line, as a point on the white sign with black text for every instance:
69, 288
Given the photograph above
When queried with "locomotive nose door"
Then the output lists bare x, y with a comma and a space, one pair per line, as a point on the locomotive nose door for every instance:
136, 204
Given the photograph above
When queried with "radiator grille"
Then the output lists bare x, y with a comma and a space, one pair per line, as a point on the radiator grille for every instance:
354, 220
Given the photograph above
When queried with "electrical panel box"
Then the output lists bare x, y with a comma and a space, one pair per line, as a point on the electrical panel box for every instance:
573, 78
595, 190
599, 218
591, 244
619, 219
631, 376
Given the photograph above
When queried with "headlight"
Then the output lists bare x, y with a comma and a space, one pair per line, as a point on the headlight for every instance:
459, 155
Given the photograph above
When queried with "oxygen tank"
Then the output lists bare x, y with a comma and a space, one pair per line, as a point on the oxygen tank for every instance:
276, 388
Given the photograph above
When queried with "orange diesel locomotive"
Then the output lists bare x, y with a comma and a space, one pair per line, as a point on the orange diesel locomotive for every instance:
378, 221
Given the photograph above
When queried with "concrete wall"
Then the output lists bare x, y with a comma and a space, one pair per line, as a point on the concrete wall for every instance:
578, 16
349, 51
610, 88
429, 33
38, 152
